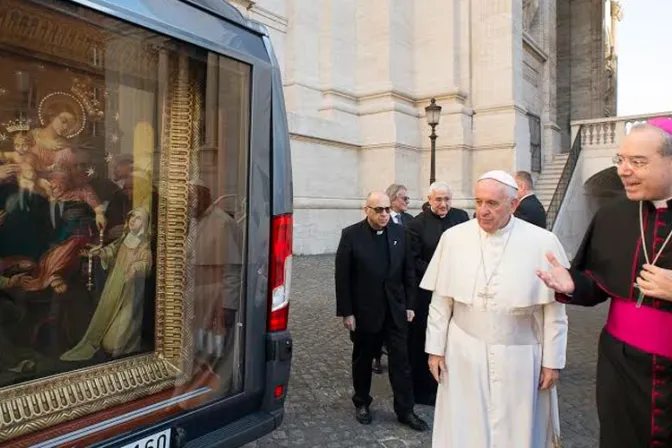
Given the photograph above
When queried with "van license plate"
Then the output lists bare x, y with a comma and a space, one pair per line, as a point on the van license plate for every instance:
158, 440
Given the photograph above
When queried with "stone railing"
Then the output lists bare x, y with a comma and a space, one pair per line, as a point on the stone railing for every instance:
608, 132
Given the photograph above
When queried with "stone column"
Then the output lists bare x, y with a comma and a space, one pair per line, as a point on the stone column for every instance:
551, 132
338, 63
564, 72
501, 129
588, 74
302, 57
385, 85
441, 41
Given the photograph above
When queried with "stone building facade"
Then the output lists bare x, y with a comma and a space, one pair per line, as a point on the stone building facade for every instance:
509, 75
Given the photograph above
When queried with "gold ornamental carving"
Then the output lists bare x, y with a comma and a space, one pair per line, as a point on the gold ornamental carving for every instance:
30, 27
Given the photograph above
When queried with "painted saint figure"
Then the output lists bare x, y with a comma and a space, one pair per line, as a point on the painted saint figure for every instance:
116, 324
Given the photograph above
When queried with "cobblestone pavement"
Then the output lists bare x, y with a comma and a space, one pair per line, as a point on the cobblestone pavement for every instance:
319, 410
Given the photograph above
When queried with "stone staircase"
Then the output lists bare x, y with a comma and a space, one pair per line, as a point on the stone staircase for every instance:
548, 180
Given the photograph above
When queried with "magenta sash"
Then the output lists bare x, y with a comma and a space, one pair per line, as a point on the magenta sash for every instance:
648, 329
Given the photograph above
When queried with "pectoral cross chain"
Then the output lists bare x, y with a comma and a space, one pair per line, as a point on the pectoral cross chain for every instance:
485, 295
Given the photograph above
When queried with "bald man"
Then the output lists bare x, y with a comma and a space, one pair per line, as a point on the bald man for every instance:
375, 287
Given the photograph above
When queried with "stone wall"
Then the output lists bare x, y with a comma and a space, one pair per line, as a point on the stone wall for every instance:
358, 75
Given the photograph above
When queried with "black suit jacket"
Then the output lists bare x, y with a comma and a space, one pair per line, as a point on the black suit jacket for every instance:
531, 210
367, 286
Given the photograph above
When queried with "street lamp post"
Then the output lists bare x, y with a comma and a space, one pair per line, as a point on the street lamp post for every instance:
433, 113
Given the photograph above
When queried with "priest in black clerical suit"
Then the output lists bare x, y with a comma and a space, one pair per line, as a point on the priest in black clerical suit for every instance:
424, 232
375, 287
626, 258
399, 200
529, 208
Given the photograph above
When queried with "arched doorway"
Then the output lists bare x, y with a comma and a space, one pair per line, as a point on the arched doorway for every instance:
603, 188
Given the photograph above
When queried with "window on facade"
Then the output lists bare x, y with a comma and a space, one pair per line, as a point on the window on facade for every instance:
123, 173
535, 143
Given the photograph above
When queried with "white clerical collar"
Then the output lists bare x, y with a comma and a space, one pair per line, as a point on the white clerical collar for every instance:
437, 215
527, 195
661, 203
503, 231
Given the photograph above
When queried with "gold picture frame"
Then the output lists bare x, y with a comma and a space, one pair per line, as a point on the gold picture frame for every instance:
33, 406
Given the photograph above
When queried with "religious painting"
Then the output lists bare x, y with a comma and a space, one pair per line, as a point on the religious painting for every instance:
122, 215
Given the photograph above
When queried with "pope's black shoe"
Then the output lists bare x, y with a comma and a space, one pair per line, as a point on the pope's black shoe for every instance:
363, 415
413, 421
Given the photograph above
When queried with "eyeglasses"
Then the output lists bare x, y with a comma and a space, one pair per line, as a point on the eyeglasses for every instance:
405, 198
379, 210
634, 162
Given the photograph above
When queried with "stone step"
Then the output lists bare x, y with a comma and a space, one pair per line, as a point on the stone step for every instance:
547, 182
554, 166
549, 176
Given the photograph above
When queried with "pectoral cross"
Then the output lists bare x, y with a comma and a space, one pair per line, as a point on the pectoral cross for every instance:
640, 297
485, 294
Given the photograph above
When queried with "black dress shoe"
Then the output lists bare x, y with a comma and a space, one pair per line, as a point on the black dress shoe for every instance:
377, 368
363, 415
413, 421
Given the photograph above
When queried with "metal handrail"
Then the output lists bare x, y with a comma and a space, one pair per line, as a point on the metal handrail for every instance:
565, 179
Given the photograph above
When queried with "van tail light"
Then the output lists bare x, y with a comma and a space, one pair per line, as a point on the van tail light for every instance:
280, 272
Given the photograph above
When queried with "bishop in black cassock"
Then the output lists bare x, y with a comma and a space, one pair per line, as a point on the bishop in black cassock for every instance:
626, 257
424, 232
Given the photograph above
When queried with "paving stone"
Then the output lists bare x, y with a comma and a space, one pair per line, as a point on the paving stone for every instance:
319, 410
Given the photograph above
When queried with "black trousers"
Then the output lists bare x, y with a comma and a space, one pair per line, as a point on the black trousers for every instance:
634, 396
424, 384
366, 346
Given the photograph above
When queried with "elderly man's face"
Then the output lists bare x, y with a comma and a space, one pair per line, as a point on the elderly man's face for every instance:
493, 205
400, 202
378, 210
645, 173
440, 201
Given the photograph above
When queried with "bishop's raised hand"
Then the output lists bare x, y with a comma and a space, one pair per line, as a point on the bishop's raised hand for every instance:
557, 277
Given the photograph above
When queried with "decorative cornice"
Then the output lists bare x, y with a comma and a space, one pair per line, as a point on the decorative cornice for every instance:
245, 4
553, 126
317, 203
345, 145
265, 16
494, 146
499, 108
415, 100
537, 50
322, 141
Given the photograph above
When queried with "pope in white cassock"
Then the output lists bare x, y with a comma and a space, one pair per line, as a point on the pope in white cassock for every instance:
495, 334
